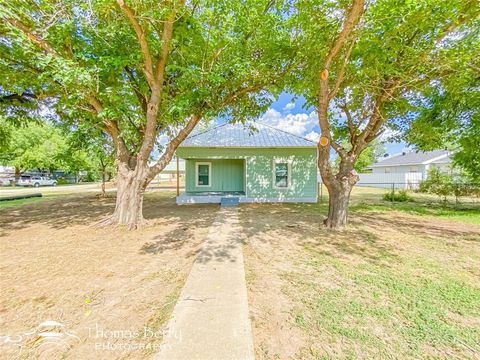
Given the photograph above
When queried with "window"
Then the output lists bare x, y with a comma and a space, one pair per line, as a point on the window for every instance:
203, 174
413, 169
387, 170
281, 176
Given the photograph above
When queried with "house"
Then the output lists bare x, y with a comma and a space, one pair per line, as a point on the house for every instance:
249, 163
406, 169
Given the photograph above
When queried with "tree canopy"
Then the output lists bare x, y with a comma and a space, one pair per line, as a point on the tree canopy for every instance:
140, 69
35, 146
449, 110
362, 64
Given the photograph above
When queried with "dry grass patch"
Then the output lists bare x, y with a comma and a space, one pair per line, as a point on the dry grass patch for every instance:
105, 285
394, 285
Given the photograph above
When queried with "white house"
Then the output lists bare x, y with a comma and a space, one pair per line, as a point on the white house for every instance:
406, 170
169, 173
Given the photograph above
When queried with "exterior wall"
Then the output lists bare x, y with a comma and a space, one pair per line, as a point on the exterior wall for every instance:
399, 169
401, 180
444, 167
226, 175
259, 165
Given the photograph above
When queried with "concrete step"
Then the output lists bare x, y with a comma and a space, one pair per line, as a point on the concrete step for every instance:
229, 201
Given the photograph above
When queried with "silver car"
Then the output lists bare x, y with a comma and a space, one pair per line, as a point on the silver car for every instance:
36, 181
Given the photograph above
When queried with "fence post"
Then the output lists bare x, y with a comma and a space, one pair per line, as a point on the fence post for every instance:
393, 193
455, 193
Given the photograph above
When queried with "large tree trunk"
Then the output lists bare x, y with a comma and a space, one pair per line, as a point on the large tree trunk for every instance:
131, 186
338, 200
18, 174
339, 187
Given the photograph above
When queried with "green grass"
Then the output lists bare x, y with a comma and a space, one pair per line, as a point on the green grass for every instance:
392, 288
12, 204
403, 306
470, 215
20, 202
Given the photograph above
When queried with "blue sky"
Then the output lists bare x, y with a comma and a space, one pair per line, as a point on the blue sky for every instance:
290, 116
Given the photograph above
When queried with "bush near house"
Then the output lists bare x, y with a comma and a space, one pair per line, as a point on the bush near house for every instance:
445, 185
400, 196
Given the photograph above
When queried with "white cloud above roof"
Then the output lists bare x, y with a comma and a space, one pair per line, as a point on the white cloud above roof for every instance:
289, 106
313, 136
297, 124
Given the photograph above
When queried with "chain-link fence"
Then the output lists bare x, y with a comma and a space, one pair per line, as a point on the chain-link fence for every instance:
457, 194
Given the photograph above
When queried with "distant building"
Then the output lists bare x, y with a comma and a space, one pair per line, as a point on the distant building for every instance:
169, 173
406, 169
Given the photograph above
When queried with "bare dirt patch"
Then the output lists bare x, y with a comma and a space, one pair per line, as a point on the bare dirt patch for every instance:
113, 289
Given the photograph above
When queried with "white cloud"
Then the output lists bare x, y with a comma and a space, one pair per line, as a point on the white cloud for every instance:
297, 124
163, 140
289, 106
313, 136
389, 135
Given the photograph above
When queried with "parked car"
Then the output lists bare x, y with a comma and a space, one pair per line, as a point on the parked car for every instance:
36, 181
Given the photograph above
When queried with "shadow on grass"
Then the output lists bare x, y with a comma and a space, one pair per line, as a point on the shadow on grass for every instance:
284, 222
288, 221
68, 211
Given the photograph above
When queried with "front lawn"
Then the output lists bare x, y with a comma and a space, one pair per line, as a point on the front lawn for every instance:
402, 282
112, 289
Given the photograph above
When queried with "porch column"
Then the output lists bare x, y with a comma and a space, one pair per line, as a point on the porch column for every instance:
178, 176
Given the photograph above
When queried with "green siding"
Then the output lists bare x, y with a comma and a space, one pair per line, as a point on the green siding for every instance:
227, 175
259, 164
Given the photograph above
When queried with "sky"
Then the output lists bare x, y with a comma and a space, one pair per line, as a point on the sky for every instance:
289, 115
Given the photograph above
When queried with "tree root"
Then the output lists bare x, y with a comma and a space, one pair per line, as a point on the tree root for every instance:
110, 221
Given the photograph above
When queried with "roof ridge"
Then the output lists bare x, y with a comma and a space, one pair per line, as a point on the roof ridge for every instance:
288, 133
207, 130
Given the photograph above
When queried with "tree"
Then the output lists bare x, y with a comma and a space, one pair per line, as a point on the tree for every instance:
34, 146
366, 60
98, 150
141, 69
367, 158
449, 112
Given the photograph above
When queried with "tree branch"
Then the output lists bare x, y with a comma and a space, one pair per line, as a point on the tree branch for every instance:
23, 98
351, 126
341, 73
142, 40
141, 98
172, 147
153, 106
112, 128
354, 15
43, 44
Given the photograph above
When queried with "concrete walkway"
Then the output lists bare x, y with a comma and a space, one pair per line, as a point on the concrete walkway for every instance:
211, 319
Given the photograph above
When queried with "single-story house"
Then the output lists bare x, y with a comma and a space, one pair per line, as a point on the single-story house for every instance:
406, 169
249, 163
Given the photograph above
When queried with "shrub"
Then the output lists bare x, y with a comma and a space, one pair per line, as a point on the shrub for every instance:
62, 181
438, 183
400, 196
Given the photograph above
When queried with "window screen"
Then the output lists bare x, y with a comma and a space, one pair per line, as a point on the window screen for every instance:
203, 175
281, 175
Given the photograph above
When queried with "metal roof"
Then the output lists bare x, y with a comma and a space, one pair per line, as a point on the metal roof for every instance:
246, 135
414, 158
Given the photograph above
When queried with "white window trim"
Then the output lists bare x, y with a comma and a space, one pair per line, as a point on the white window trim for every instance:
289, 174
209, 174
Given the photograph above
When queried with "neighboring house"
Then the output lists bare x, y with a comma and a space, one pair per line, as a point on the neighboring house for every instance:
7, 175
406, 169
169, 173
250, 163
